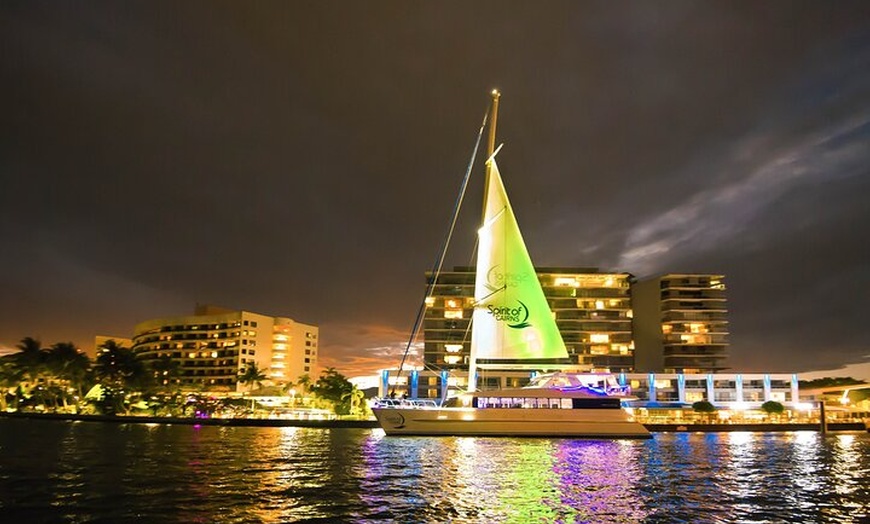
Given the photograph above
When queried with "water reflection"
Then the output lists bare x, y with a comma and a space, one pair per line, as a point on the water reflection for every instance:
503, 480
53, 472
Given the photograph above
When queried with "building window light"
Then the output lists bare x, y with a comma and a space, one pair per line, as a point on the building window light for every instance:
599, 350
599, 338
452, 313
430, 301
453, 348
696, 327
452, 359
599, 304
566, 282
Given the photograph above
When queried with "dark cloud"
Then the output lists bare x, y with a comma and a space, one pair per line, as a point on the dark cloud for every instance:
301, 159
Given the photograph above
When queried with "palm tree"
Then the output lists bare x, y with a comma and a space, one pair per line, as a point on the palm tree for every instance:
305, 383
253, 376
118, 368
10, 378
68, 364
117, 365
31, 359
166, 371
355, 398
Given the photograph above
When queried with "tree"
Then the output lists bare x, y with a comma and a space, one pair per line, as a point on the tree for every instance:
252, 376
336, 388
118, 366
31, 359
118, 371
304, 382
772, 407
355, 399
166, 371
705, 408
10, 379
68, 365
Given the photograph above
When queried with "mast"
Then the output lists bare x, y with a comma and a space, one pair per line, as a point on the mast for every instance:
490, 149
490, 146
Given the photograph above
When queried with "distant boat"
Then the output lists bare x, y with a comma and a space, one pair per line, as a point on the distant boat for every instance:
513, 328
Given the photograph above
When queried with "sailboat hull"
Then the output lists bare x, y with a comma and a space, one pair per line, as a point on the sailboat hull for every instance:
514, 422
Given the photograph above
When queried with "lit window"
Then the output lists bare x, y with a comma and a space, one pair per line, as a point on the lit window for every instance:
599, 338
452, 303
667, 328
566, 281
430, 301
696, 327
452, 359
453, 348
191, 355
599, 304
452, 313
599, 350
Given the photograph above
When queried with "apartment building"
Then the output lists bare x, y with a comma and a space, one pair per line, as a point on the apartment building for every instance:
214, 346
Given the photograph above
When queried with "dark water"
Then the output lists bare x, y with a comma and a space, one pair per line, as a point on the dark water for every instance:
91, 472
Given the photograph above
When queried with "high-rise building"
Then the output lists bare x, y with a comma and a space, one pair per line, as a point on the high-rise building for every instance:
214, 346
680, 323
592, 309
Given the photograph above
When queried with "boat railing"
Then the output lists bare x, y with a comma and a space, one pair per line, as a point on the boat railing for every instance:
407, 403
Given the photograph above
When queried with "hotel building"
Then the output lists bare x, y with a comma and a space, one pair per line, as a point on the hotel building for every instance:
680, 323
592, 310
215, 345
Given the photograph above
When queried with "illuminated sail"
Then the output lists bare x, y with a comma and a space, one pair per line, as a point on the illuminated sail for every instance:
512, 321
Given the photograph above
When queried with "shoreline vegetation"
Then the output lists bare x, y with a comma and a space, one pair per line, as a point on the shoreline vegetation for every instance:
371, 423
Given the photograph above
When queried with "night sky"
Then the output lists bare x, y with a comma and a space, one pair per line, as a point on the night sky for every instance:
302, 159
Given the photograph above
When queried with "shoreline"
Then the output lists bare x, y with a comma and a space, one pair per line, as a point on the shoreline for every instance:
371, 424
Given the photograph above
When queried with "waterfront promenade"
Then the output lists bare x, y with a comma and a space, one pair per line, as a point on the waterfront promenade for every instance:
371, 423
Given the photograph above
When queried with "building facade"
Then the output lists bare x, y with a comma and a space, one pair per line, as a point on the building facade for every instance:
592, 309
680, 323
214, 346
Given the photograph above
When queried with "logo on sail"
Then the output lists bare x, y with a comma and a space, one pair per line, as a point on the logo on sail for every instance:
497, 279
514, 317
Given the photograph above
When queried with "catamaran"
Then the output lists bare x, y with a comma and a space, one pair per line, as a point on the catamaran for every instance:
513, 328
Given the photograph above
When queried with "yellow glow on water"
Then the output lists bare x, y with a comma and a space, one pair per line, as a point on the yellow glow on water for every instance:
740, 438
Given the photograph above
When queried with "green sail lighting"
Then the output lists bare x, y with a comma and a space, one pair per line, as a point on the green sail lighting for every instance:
512, 319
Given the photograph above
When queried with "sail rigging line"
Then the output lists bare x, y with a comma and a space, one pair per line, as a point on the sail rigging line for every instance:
439, 263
